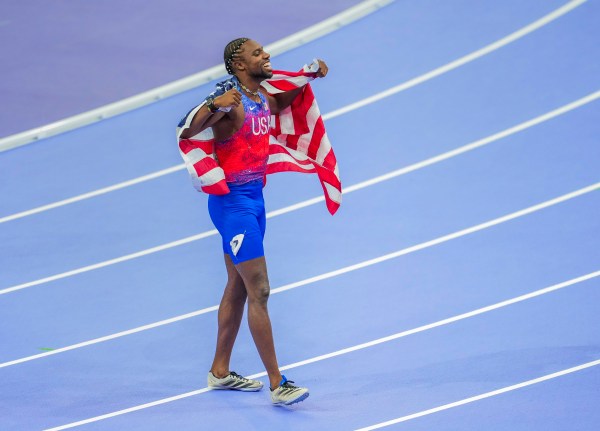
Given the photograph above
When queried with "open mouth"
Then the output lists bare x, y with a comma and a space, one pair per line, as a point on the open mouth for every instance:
267, 66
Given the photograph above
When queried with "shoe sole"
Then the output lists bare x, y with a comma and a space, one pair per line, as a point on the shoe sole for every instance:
221, 388
294, 401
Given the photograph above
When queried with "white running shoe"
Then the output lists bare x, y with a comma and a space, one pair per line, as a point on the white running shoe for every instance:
235, 382
286, 393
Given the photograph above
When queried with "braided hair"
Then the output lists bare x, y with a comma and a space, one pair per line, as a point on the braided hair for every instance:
232, 54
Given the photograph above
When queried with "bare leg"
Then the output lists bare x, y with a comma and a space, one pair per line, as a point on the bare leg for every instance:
254, 276
231, 311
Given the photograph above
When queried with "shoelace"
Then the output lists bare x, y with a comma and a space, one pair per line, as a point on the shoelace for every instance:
288, 384
237, 376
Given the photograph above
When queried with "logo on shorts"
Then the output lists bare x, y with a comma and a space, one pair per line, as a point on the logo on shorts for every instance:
236, 243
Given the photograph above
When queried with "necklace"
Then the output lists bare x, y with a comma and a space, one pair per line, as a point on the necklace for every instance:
247, 90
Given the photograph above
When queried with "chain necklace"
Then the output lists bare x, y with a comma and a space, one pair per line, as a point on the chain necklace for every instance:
255, 94
247, 90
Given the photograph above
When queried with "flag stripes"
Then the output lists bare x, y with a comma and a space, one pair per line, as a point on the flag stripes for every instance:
298, 141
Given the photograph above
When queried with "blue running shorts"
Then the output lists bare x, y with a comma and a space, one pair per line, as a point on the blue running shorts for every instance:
240, 218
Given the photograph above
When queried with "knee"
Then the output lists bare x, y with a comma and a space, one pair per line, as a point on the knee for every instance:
263, 293
259, 290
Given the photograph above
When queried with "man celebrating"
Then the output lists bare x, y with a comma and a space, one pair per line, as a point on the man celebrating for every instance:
239, 114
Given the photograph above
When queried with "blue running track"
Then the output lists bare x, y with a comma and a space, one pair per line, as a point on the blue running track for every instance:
456, 289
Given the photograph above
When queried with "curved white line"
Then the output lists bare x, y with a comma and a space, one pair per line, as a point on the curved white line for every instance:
463, 60
341, 111
297, 39
483, 396
390, 175
355, 348
327, 275
94, 193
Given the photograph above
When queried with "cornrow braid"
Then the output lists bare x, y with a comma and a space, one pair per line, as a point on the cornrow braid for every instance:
231, 53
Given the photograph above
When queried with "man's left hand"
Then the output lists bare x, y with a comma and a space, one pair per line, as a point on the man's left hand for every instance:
323, 69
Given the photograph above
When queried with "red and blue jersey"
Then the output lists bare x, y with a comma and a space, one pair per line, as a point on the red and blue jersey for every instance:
298, 141
244, 155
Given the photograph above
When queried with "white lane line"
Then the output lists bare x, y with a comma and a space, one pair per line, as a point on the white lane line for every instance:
390, 175
324, 276
111, 261
341, 111
349, 349
292, 41
483, 396
463, 60
94, 193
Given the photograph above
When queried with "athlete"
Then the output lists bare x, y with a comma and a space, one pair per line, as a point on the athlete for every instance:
240, 124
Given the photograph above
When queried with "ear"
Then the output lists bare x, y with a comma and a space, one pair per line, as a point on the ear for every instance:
238, 65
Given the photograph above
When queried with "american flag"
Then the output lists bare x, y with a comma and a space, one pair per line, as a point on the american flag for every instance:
298, 141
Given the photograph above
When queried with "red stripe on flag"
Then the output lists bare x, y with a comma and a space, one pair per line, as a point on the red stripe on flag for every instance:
283, 86
204, 165
317, 137
276, 149
292, 141
330, 162
220, 188
276, 126
187, 145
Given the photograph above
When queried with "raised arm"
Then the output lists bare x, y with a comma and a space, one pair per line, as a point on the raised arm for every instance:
280, 101
212, 112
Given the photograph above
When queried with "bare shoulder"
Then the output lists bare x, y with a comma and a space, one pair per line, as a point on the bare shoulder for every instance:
270, 98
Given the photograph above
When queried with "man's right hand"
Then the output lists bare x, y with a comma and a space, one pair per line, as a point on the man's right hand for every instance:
228, 100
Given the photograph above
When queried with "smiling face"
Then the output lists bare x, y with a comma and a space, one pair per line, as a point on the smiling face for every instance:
254, 61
